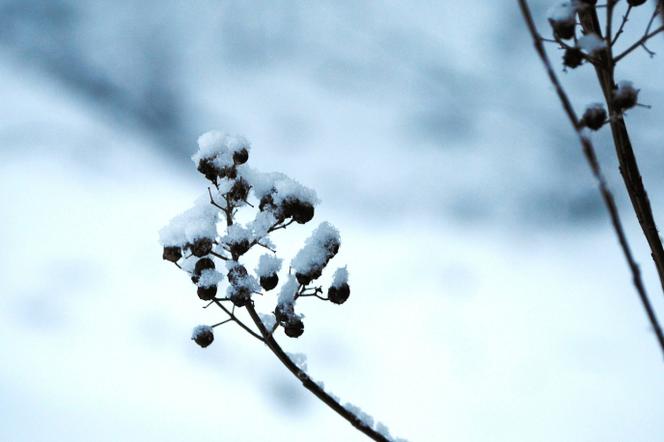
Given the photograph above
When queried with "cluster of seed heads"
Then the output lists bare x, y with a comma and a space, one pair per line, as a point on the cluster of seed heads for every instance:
283, 211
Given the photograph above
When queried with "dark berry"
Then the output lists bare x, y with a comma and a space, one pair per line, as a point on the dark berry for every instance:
636, 2
207, 293
625, 96
339, 295
201, 247
294, 328
203, 336
573, 57
241, 156
172, 254
269, 282
594, 117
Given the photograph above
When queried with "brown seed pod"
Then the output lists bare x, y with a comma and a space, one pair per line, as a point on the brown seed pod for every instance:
294, 328
203, 337
201, 247
207, 293
172, 254
339, 295
241, 156
269, 282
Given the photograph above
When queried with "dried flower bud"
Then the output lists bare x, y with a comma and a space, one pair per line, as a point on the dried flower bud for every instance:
172, 254
594, 116
573, 57
294, 327
203, 335
237, 274
306, 278
240, 190
240, 156
207, 168
339, 295
562, 17
636, 2
266, 203
207, 293
239, 248
284, 312
269, 282
240, 296
203, 264
201, 247
625, 95
302, 212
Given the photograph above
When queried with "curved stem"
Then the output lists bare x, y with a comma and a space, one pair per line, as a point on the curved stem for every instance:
591, 158
309, 383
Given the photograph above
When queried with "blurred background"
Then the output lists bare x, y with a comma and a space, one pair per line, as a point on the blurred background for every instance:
490, 300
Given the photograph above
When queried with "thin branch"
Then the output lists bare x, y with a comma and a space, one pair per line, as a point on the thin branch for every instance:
591, 158
625, 19
309, 383
640, 42
240, 323
629, 168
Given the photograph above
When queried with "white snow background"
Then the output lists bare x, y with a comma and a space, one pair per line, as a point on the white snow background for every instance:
489, 299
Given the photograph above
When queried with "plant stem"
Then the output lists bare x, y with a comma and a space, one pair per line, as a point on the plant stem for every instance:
308, 383
591, 158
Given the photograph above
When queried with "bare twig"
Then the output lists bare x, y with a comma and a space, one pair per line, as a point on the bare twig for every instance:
640, 42
629, 168
591, 158
309, 383
231, 315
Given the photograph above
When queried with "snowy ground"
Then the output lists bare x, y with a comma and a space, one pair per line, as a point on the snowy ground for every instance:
480, 309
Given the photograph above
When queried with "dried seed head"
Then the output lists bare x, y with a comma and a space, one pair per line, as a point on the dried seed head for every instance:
269, 282
239, 248
201, 247
237, 274
203, 264
240, 156
302, 212
203, 335
207, 293
339, 295
284, 312
573, 57
636, 2
240, 296
240, 190
207, 168
294, 328
625, 96
594, 116
172, 254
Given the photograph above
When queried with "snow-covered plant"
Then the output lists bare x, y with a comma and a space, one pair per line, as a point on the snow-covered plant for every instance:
209, 243
577, 28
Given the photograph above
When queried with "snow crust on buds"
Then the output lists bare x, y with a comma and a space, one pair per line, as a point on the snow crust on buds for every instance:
318, 249
268, 267
220, 148
339, 291
591, 44
203, 335
199, 222
562, 17
625, 95
594, 116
